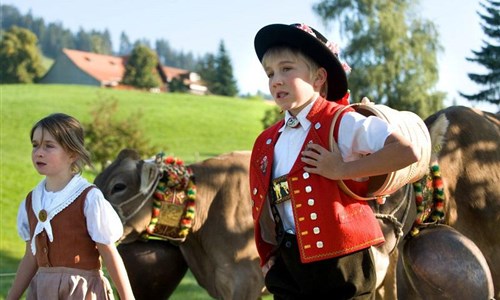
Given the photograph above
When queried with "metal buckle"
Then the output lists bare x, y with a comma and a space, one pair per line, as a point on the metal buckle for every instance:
280, 191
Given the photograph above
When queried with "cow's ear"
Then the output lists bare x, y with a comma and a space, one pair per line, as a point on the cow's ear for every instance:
149, 176
129, 153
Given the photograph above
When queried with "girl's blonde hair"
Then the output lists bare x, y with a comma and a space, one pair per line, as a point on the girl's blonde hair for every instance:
274, 53
68, 132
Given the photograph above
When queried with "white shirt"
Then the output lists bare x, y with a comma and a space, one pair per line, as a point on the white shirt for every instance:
103, 224
358, 135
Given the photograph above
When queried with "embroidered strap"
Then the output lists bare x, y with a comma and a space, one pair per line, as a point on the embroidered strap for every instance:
279, 194
430, 200
173, 202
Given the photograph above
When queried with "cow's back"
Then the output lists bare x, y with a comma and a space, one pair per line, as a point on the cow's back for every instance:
469, 160
221, 250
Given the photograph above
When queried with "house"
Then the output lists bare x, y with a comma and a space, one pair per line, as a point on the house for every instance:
191, 80
87, 68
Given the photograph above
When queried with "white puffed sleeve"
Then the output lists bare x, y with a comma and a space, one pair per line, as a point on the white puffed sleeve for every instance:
103, 224
360, 135
23, 226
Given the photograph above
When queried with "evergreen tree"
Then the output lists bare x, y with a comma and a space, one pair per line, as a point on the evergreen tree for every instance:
186, 60
225, 82
169, 57
207, 69
125, 44
107, 44
165, 53
56, 38
140, 70
391, 51
83, 41
101, 42
488, 56
20, 59
217, 73
10, 16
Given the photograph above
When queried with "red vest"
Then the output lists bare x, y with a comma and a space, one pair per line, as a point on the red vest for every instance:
328, 222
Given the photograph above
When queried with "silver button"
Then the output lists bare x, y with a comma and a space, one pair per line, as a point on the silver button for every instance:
269, 141
314, 216
317, 125
316, 230
309, 189
305, 175
310, 202
319, 244
254, 191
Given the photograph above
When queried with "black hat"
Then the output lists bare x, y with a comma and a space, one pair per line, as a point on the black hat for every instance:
311, 43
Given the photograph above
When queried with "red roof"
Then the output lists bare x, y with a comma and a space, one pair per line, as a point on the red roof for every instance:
109, 70
172, 72
104, 68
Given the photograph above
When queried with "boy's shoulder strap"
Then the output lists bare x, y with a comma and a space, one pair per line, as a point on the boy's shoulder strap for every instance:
334, 127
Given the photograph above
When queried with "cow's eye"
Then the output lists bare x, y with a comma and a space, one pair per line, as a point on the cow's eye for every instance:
118, 188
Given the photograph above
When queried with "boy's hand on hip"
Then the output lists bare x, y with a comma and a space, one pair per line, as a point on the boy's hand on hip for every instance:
323, 162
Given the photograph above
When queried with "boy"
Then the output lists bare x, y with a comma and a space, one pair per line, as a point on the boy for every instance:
313, 239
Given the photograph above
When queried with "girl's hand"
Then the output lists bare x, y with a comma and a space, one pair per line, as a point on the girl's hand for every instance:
323, 162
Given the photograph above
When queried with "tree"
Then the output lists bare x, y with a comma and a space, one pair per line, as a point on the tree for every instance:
391, 51
207, 69
165, 52
105, 136
83, 41
172, 58
56, 38
177, 85
140, 70
488, 56
125, 44
225, 82
217, 73
94, 41
20, 59
271, 116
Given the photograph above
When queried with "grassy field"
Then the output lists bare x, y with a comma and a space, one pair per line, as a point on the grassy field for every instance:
189, 127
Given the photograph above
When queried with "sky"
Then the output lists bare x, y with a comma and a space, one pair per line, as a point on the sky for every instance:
198, 26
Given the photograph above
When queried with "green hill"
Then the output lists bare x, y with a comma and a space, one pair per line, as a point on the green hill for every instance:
187, 126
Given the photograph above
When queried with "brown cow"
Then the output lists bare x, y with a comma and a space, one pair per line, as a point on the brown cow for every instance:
469, 158
224, 199
155, 268
220, 250
466, 146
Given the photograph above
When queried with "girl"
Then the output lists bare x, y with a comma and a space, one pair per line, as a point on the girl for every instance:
66, 222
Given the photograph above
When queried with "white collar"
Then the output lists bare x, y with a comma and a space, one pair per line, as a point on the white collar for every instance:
61, 200
302, 117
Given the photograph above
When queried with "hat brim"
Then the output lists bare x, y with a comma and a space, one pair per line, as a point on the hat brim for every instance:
290, 36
